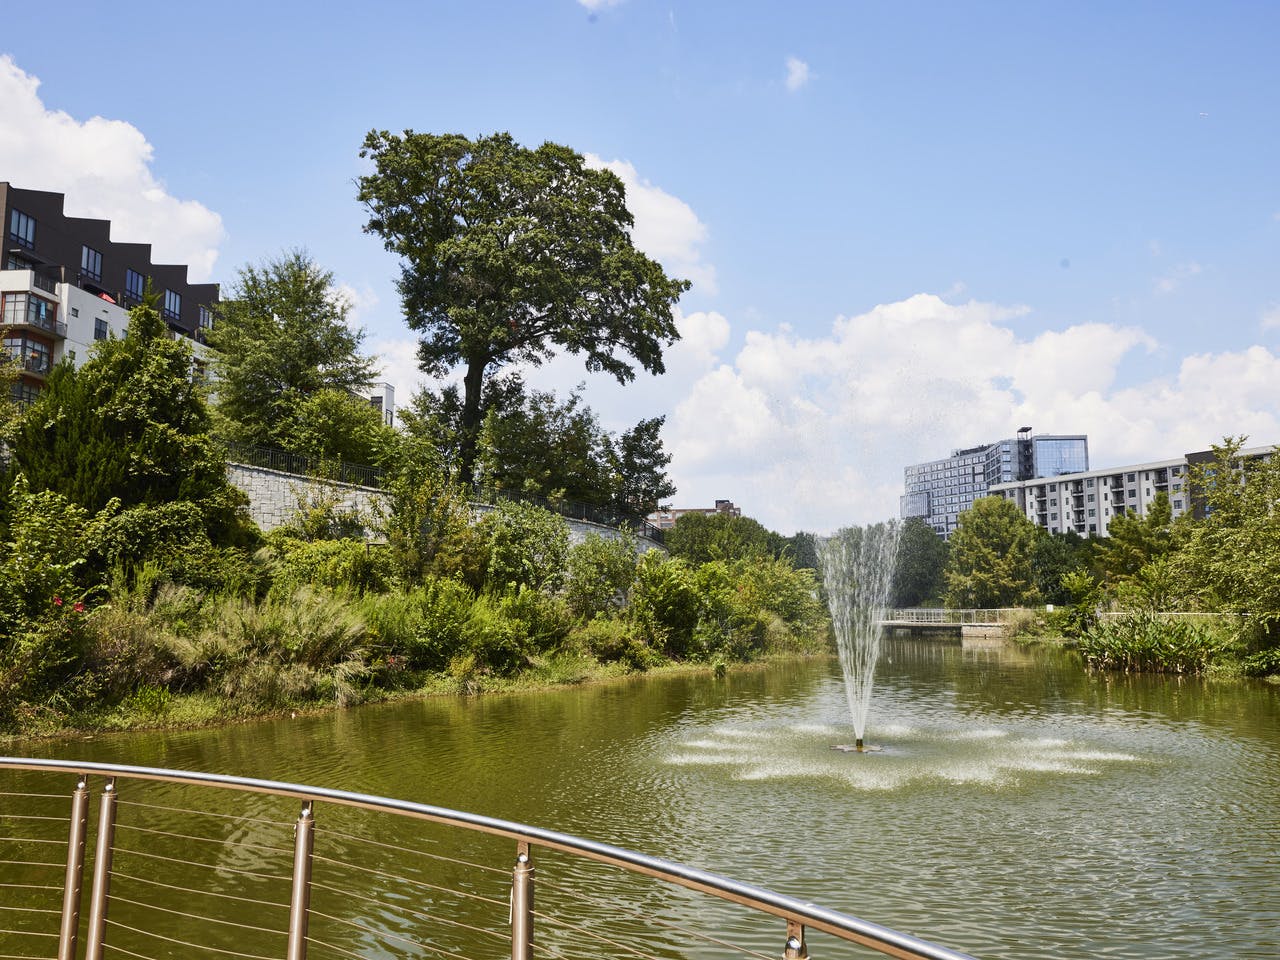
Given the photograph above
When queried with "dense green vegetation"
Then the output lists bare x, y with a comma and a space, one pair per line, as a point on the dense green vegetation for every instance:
135, 589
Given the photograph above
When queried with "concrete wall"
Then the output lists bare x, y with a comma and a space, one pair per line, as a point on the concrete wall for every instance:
274, 495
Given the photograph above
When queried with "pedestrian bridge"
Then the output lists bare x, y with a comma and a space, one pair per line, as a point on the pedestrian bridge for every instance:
941, 621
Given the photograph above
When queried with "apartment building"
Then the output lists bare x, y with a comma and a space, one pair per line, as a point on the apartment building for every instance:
64, 283
1087, 502
940, 490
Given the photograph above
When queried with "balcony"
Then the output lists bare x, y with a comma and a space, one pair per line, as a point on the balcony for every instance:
23, 311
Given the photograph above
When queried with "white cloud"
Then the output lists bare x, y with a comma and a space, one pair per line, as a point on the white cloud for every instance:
595, 5
666, 228
104, 168
1172, 280
814, 432
1271, 317
797, 74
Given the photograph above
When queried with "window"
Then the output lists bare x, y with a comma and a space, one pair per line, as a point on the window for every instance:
206, 319
22, 229
134, 285
1093, 512
1130, 478
100, 329
1089, 482
1133, 494
91, 263
1177, 504
1053, 516
33, 311
1091, 498
23, 393
172, 305
33, 356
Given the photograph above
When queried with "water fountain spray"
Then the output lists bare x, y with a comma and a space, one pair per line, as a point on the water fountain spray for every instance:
857, 570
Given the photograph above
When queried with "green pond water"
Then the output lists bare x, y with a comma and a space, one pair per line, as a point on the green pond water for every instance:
1019, 808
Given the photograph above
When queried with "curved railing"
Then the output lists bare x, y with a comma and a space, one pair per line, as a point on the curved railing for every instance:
798, 915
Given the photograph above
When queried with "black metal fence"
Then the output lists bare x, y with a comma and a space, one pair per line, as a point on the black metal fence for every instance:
322, 468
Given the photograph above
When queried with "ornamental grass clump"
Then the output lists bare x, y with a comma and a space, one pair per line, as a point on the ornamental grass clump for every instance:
1145, 642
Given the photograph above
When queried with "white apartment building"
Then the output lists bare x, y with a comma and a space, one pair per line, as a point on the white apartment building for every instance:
1088, 501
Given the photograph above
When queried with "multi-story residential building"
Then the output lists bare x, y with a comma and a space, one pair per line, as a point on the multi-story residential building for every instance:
940, 490
666, 519
1088, 501
64, 283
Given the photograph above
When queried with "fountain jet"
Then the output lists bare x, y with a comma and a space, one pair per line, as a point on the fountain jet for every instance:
857, 570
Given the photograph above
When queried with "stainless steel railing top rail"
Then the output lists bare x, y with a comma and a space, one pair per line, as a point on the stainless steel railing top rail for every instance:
796, 912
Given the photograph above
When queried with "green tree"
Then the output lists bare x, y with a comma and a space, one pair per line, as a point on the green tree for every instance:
527, 547
1053, 557
1230, 560
129, 425
922, 556
703, 537
989, 561
508, 254
1133, 541
538, 446
334, 425
282, 335
640, 463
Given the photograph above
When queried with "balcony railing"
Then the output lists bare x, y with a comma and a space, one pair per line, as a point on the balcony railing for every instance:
188, 864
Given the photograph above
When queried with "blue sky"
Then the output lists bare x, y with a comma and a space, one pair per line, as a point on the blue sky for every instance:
910, 226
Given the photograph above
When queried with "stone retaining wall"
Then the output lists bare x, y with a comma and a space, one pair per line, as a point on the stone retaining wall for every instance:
274, 496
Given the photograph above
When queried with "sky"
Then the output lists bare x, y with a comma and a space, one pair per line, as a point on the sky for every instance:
910, 227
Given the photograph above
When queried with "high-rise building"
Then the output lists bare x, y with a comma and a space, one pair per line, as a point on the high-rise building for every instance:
940, 490
64, 283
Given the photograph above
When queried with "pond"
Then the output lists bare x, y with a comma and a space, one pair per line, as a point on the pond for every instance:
1018, 807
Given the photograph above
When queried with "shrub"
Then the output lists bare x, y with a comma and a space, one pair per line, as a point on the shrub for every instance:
1145, 642
350, 565
600, 573
527, 546
307, 645
665, 603
614, 641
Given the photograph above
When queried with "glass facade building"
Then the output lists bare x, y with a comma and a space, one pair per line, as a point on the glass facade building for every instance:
940, 490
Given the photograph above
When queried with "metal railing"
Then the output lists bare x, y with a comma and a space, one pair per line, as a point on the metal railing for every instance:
320, 468
337, 893
944, 615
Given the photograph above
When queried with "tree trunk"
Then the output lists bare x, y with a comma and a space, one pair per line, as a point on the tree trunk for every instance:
472, 417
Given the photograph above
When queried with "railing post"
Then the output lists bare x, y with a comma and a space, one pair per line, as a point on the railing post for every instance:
796, 948
100, 895
522, 905
72, 883
300, 899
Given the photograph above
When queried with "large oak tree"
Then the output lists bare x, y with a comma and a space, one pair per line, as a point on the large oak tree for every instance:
509, 254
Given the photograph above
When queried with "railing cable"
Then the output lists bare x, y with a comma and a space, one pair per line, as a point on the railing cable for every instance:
184, 943
203, 893
417, 915
188, 836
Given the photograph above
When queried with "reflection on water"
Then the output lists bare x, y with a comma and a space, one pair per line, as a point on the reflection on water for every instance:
1020, 808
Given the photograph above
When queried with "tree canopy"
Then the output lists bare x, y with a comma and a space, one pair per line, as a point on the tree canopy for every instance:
917, 575
281, 335
989, 563
509, 254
